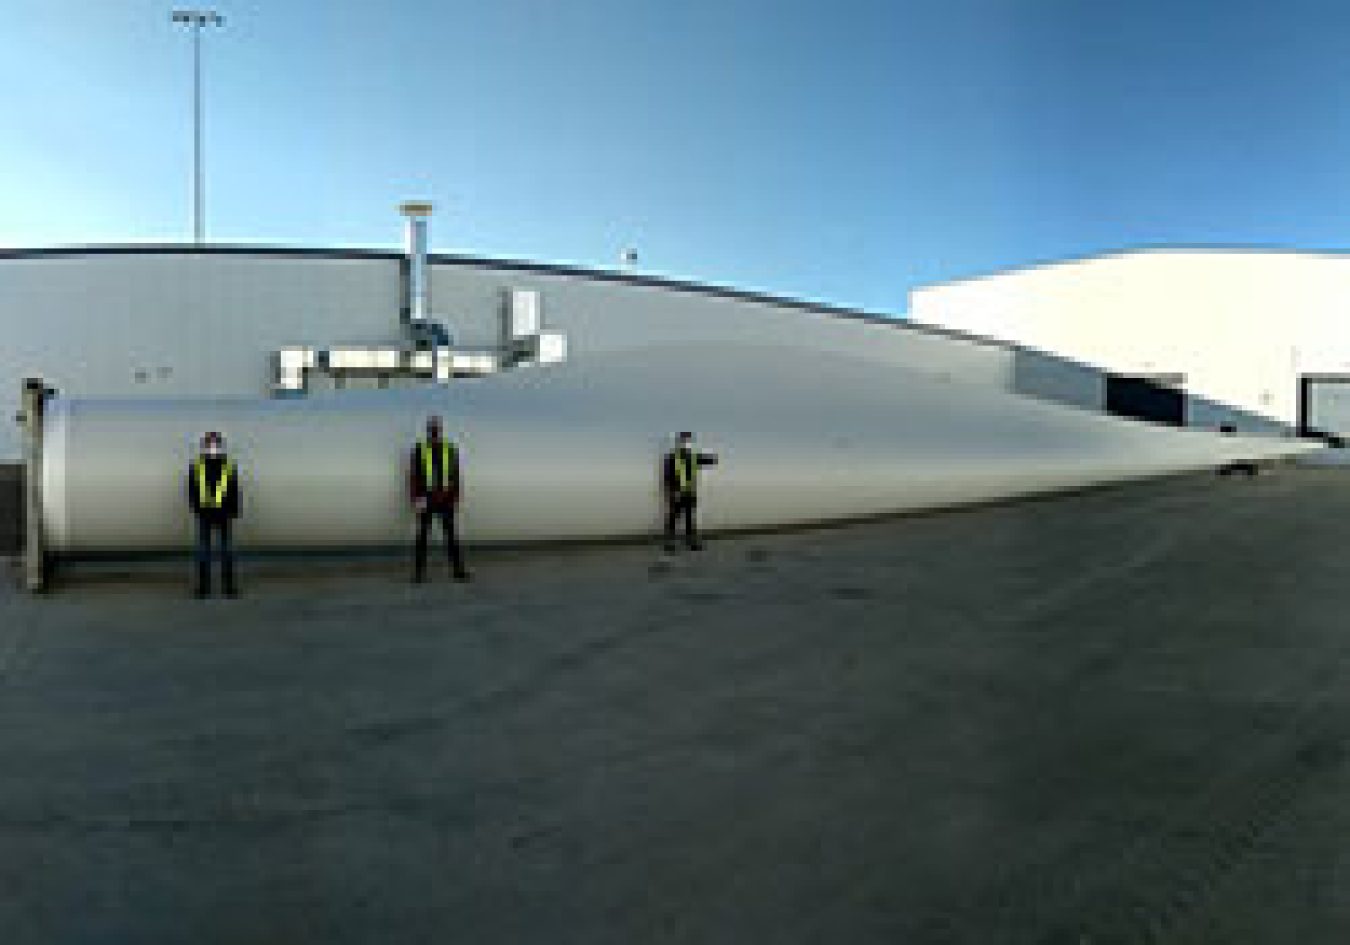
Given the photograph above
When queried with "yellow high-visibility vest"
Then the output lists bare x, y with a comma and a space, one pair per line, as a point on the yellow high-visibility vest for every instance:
429, 469
686, 472
208, 499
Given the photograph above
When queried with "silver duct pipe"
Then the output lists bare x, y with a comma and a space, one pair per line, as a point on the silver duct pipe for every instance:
418, 287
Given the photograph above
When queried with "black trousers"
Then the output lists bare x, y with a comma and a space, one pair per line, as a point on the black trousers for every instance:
677, 507
452, 550
208, 526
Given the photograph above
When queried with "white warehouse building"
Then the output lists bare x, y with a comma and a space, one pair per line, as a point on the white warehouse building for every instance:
1262, 330
174, 322
1232, 334
1008, 390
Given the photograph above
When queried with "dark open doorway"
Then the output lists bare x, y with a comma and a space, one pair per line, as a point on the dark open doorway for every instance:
1145, 399
1324, 406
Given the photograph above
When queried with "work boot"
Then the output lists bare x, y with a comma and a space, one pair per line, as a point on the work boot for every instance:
203, 586
695, 545
463, 575
231, 590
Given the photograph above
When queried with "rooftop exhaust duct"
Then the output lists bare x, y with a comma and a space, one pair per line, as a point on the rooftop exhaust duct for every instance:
416, 212
425, 331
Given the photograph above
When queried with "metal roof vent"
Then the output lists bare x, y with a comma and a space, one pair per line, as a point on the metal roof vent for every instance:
417, 288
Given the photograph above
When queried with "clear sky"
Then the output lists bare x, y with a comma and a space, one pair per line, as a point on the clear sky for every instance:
840, 151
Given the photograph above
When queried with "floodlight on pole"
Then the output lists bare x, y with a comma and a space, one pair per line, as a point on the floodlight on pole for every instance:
196, 19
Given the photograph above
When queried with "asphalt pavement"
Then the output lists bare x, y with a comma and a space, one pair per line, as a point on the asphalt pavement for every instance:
1116, 716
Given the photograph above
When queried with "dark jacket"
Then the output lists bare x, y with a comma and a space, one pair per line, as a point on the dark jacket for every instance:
443, 490
229, 506
671, 478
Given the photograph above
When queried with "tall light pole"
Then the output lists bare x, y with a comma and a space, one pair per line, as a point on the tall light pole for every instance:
196, 19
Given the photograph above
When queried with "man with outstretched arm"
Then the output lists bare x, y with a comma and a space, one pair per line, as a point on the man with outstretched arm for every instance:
679, 481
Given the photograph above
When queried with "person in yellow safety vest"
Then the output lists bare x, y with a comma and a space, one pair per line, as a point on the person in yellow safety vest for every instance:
434, 486
213, 495
680, 482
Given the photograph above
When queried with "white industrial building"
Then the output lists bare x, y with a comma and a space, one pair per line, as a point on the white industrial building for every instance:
215, 321
1266, 331
562, 383
1232, 333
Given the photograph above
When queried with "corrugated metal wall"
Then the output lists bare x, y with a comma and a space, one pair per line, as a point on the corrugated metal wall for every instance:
174, 323
184, 324
177, 325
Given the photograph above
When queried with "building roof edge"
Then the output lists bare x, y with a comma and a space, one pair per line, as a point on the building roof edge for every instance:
1120, 252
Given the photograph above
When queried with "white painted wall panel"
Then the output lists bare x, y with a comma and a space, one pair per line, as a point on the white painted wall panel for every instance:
601, 316
1240, 325
206, 325
87, 324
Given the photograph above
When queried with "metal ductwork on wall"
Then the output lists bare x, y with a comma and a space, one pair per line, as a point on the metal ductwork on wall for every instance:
429, 353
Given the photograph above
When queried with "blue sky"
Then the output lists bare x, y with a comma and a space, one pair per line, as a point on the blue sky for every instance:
838, 151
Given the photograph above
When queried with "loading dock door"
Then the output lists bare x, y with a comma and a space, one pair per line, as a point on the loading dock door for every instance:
1324, 404
1143, 399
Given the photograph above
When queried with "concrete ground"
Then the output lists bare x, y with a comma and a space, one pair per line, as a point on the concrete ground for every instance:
1119, 716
